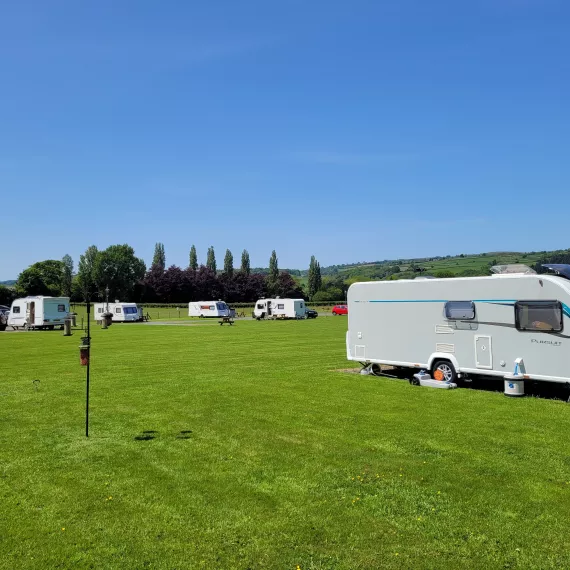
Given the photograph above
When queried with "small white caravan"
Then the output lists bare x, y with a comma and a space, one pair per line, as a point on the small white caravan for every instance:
122, 312
515, 324
280, 309
38, 312
204, 309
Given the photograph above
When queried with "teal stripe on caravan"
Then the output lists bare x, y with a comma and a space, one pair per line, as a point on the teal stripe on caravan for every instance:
439, 301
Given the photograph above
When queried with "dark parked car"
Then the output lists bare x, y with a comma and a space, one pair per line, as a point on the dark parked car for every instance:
311, 313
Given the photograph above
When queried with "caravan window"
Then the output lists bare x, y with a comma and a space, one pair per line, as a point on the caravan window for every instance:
99, 309
130, 310
460, 310
222, 306
117, 309
539, 316
16, 309
281, 307
61, 308
260, 306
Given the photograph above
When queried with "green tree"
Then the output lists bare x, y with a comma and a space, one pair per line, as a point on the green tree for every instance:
211, 259
273, 275
86, 272
318, 277
245, 266
193, 258
41, 278
7, 295
314, 277
67, 276
159, 259
118, 268
229, 263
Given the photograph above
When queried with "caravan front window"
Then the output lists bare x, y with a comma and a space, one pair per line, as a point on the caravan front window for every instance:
61, 308
543, 316
460, 310
15, 309
260, 306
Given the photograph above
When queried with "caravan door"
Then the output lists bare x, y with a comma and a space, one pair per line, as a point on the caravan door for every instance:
483, 352
31, 313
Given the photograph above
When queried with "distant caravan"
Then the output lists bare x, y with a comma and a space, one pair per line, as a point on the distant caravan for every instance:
205, 309
38, 312
280, 309
514, 325
122, 312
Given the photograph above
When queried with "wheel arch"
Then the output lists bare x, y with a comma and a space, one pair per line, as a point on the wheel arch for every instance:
443, 356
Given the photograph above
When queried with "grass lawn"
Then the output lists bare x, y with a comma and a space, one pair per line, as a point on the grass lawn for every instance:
242, 447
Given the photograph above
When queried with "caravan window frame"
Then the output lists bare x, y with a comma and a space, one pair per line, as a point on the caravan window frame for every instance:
16, 309
555, 304
446, 308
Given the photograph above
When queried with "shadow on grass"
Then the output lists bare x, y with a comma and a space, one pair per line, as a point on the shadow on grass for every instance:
184, 434
146, 435
544, 390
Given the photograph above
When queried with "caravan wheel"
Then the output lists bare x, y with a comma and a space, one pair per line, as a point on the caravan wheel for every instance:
444, 368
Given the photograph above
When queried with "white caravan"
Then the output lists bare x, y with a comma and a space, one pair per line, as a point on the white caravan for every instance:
280, 309
205, 309
122, 312
38, 312
507, 325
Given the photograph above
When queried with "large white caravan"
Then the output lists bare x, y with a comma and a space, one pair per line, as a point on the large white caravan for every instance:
504, 325
38, 312
279, 309
205, 309
122, 312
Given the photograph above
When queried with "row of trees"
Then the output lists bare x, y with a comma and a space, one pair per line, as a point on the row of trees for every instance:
126, 277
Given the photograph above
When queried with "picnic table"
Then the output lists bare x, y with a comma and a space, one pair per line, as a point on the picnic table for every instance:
228, 320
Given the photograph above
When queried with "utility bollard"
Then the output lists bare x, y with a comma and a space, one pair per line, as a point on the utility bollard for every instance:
104, 323
67, 327
73, 319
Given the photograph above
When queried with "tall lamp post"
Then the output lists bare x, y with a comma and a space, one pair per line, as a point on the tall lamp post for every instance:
87, 349
107, 299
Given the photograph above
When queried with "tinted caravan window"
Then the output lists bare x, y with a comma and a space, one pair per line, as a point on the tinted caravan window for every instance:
462, 310
545, 316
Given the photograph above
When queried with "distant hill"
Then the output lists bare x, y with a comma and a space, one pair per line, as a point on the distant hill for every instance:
8, 283
449, 266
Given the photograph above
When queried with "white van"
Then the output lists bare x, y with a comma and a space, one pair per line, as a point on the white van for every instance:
204, 309
122, 312
512, 323
38, 312
280, 309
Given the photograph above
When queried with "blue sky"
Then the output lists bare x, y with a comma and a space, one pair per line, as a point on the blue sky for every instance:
353, 131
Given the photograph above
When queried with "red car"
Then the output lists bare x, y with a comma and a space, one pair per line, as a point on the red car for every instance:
340, 310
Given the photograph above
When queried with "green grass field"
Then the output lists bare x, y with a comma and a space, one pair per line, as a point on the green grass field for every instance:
244, 447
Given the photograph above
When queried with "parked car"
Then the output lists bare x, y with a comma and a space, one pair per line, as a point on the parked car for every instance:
311, 313
340, 310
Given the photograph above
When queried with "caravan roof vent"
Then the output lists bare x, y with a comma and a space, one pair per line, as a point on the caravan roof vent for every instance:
561, 269
515, 268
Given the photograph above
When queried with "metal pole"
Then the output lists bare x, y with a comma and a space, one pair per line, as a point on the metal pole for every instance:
88, 365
